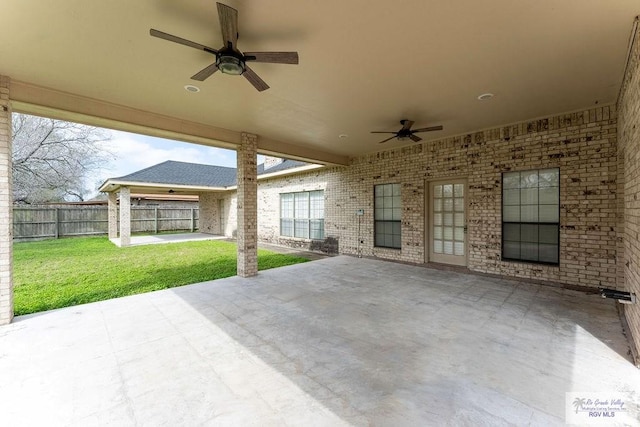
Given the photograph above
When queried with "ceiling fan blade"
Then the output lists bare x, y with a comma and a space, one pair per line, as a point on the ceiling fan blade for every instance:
205, 72
228, 17
272, 57
407, 125
415, 138
429, 129
388, 139
382, 132
180, 40
253, 78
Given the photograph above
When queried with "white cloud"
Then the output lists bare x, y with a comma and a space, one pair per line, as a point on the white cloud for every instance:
133, 152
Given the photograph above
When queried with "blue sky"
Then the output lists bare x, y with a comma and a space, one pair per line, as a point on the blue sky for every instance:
134, 152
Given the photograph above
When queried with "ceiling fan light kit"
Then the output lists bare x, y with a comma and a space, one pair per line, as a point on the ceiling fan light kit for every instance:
229, 60
228, 64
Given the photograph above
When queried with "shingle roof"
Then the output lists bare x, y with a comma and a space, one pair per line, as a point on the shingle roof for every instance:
183, 173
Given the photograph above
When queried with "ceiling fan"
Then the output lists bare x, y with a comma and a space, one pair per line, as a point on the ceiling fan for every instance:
406, 132
230, 60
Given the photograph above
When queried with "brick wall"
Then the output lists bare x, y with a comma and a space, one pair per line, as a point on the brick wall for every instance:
247, 207
581, 144
629, 134
6, 214
209, 219
269, 205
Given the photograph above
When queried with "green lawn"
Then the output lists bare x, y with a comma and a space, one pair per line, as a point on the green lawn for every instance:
59, 273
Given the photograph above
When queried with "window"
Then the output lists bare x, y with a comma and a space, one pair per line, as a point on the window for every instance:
531, 216
302, 214
387, 215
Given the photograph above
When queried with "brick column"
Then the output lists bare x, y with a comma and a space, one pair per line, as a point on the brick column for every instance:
6, 206
125, 216
247, 206
113, 215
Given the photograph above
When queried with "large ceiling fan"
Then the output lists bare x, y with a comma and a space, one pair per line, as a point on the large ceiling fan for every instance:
406, 132
229, 59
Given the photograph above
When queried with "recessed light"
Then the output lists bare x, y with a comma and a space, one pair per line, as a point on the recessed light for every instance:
191, 88
485, 96
343, 136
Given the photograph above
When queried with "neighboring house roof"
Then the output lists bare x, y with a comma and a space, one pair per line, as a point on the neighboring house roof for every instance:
196, 176
183, 173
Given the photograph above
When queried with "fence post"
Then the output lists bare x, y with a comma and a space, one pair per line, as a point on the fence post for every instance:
155, 219
193, 220
57, 225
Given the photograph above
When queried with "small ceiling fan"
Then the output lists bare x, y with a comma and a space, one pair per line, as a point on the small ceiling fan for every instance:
230, 60
406, 131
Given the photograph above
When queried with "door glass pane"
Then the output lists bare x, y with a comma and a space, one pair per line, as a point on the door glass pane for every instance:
448, 219
447, 190
437, 205
437, 246
448, 233
458, 233
437, 219
437, 191
448, 205
458, 248
458, 190
437, 232
458, 218
458, 205
448, 248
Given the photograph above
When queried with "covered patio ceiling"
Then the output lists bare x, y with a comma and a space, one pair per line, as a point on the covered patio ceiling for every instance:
364, 65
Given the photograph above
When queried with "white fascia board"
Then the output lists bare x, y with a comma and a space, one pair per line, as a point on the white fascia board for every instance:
112, 185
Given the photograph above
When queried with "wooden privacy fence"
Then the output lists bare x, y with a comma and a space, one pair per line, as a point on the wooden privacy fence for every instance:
55, 222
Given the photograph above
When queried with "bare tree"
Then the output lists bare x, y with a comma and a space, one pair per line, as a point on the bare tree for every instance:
52, 159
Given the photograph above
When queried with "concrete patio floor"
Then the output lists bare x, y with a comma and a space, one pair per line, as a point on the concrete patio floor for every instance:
339, 341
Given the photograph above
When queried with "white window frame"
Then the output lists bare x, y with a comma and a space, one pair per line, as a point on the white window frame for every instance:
303, 215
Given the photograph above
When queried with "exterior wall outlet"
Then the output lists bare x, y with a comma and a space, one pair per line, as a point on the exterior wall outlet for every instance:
360, 212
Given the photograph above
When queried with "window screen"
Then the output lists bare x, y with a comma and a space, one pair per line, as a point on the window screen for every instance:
531, 216
302, 214
387, 215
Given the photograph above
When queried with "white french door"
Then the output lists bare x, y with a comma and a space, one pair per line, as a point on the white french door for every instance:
448, 222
